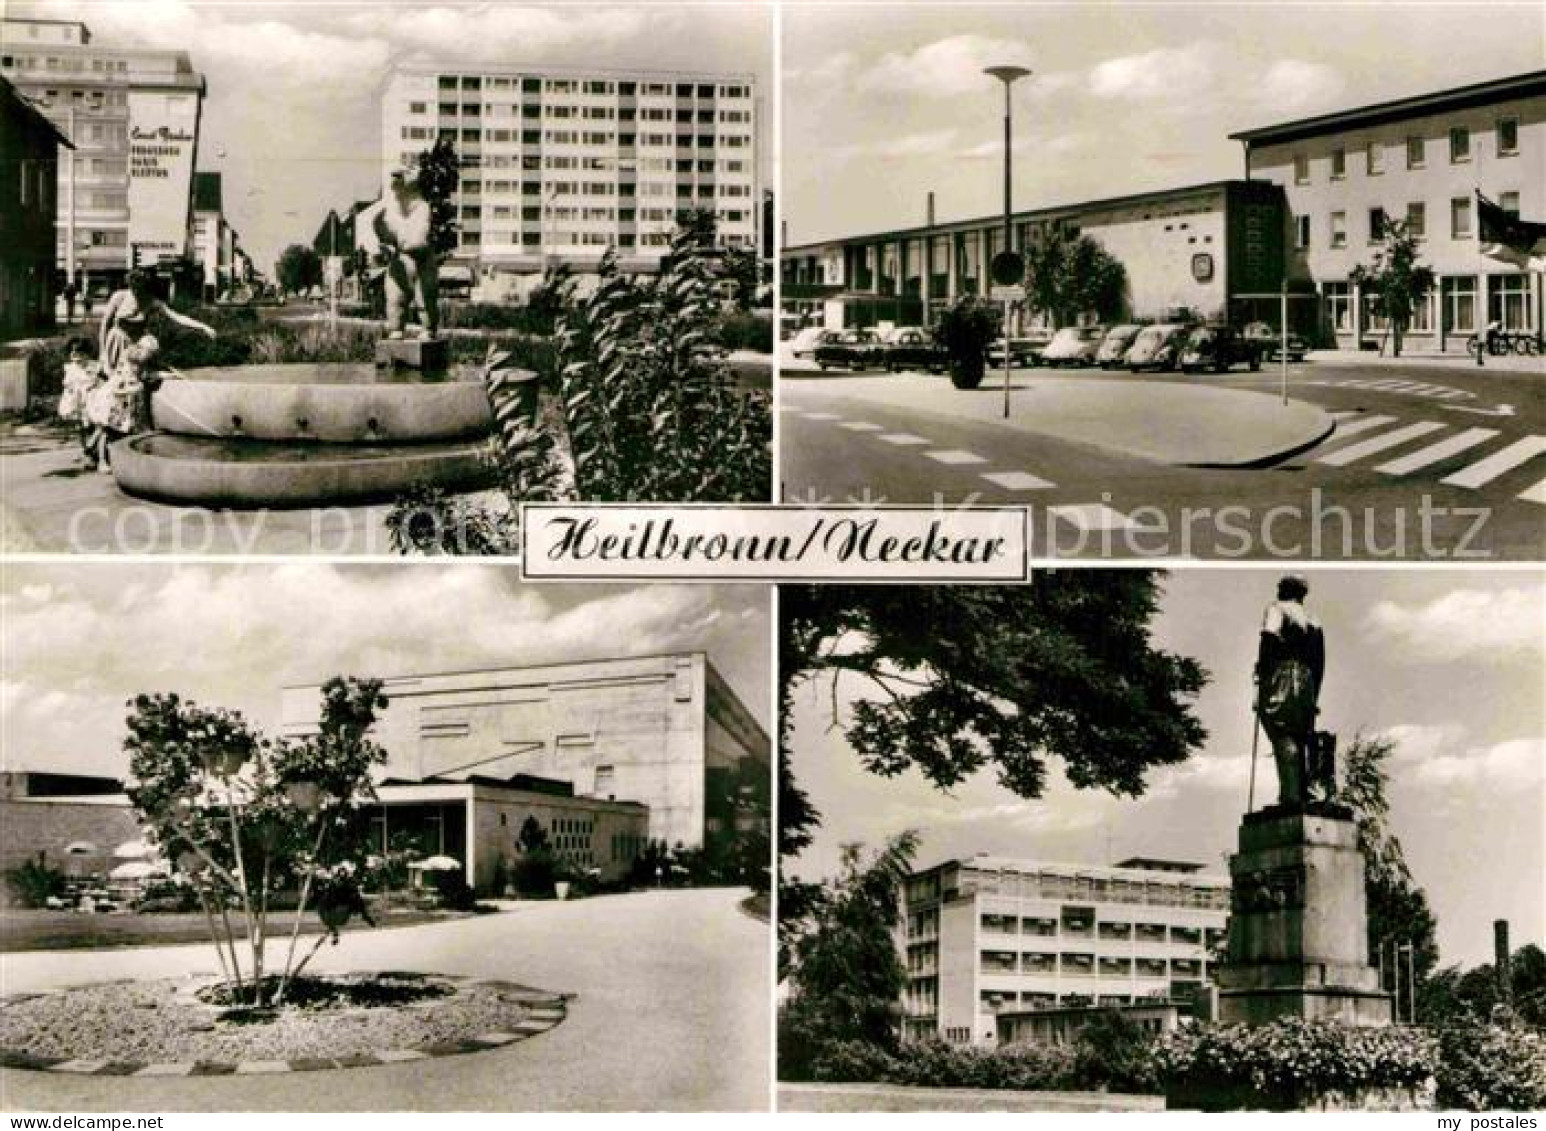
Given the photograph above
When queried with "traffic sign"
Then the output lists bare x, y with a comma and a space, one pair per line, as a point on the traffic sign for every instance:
1007, 268
1007, 294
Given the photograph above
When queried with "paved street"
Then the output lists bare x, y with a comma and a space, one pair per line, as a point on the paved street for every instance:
1427, 461
672, 1013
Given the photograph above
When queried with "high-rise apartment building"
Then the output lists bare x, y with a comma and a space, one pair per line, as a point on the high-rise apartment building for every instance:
125, 193
986, 935
560, 164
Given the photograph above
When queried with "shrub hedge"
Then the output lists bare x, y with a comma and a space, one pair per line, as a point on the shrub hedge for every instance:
1492, 1068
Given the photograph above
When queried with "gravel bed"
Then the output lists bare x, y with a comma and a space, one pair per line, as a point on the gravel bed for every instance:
163, 1021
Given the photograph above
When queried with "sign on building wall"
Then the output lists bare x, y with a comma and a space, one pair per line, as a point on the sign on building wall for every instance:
163, 136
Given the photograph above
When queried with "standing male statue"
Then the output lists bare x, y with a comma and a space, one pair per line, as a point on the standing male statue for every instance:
1291, 661
399, 227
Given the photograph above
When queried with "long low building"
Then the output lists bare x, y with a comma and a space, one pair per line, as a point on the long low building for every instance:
986, 935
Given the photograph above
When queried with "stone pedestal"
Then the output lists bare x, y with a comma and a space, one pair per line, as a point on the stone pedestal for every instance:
1298, 926
425, 355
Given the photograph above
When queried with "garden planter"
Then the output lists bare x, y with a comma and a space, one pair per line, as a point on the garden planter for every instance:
967, 374
561, 888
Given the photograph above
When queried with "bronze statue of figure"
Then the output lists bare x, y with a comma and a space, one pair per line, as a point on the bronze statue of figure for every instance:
398, 228
1291, 661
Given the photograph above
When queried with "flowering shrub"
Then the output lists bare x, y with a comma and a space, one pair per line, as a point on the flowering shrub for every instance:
1492, 1068
1292, 1063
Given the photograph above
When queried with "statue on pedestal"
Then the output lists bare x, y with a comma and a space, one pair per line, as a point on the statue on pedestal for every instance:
399, 229
1290, 664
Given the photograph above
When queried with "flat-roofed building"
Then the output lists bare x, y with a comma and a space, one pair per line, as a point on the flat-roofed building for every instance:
1420, 160
987, 935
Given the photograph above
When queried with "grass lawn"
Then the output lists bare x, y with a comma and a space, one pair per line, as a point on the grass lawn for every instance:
72, 930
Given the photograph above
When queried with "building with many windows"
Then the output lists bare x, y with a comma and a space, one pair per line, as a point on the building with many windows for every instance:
125, 192
987, 937
560, 164
1421, 160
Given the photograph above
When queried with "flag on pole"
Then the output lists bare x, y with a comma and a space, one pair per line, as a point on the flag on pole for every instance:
1506, 237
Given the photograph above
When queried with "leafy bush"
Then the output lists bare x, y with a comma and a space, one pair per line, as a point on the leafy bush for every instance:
282, 345
496, 316
454, 892
1290, 1063
35, 882
1113, 1052
964, 331
746, 331
844, 1062
1492, 1068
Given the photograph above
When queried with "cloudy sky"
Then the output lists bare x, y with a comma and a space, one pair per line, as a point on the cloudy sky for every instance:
1449, 664
884, 104
79, 640
294, 89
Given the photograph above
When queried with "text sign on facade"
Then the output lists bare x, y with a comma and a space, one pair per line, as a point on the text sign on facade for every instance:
773, 543
163, 134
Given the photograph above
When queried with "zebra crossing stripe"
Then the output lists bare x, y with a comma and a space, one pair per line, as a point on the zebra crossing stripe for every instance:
1016, 480
955, 457
903, 439
1344, 456
822, 416
860, 426
1536, 494
1352, 424
1092, 516
1506, 459
1434, 453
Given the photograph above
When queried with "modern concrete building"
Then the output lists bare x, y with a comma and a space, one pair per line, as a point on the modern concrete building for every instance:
985, 936
1422, 160
214, 240
559, 164
664, 732
126, 190
29, 159
1197, 248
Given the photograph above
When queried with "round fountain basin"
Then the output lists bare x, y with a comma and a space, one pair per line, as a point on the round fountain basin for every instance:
334, 403
254, 473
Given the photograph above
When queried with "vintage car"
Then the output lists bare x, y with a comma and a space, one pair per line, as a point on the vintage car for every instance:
1218, 347
851, 349
1114, 346
1024, 349
910, 347
804, 342
1073, 345
1270, 342
1156, 347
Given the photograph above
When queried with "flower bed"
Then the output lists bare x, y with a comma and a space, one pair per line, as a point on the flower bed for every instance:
180, 1021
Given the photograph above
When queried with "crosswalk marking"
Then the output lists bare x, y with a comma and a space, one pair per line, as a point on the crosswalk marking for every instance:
904, 439
822, 416
1435, 453
1505, 459
1536, 494
1354, 423
1091, 516
861, 426
1016, 480
955, 457
1343, 456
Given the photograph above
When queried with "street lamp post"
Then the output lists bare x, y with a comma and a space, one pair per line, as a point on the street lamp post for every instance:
1007, 75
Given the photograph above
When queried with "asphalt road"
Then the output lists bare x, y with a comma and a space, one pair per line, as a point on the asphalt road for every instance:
672, 1013
1428, 462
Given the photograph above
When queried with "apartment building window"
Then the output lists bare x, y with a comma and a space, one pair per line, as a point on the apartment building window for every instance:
1459, 144
418, 107
1509, 202
1416, 219
1376, 225
1339, 229
1301, 232
1459, 299
1416, 156
1374, 159
1508, 137
1508, 301
1460, 218
1338, 306
1338, 164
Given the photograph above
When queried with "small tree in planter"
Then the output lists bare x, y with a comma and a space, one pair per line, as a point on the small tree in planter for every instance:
964, 331
243, 818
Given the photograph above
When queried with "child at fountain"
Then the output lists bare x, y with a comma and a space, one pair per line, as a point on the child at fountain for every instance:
117, 406
82, 374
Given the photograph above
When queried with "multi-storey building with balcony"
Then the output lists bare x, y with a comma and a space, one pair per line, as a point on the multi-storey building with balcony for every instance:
560, 164
125, 192
1421, 160
985, 936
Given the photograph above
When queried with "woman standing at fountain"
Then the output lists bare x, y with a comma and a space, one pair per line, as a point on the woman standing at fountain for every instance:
127, 319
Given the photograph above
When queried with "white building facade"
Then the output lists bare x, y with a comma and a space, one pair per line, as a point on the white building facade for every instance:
561, 164
988, 935
1420, 160
126, 191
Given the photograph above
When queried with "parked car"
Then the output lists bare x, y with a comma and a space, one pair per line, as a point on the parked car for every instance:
1270, 343
1025, 350
805, 341
851, 349
1073, 345
1156, 347
912, 348
1114, 346
1217, 348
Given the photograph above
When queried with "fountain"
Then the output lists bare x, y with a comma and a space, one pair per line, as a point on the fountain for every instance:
311, 434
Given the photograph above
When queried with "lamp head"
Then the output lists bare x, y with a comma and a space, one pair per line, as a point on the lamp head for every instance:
1007, 75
